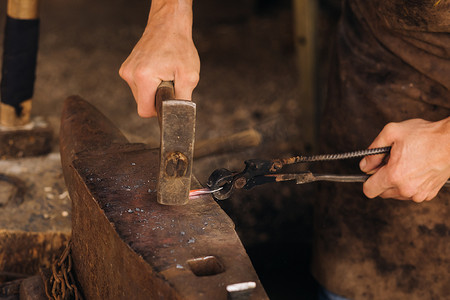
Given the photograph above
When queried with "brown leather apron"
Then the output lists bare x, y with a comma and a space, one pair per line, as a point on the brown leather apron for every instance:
391, 63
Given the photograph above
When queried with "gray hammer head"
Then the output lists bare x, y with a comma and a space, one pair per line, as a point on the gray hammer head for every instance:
177, 124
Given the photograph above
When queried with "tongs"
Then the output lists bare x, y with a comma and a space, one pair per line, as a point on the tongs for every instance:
222, 182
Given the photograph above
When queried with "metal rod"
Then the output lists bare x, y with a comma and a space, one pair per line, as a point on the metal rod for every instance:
346, 155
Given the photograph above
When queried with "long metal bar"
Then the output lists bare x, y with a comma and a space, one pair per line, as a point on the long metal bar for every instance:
308, 177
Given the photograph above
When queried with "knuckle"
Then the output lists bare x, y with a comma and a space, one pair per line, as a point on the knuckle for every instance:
144, 113
140, 74
419, 198
421, 195
124, 73
192, 77
390, 128
367, 190
395, 177
431, 195
407, 191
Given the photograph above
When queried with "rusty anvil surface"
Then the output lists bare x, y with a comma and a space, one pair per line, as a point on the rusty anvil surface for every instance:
126, 245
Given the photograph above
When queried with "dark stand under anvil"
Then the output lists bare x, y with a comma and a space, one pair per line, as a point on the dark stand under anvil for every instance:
127, 246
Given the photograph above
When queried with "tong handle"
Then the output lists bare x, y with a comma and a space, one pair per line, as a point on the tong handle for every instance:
307, 177
350, 178
340, 178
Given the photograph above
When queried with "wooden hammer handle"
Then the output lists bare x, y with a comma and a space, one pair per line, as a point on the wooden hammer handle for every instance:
23, 9
19, 61
165, 91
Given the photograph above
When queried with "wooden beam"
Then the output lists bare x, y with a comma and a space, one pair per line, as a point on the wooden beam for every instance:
305, 17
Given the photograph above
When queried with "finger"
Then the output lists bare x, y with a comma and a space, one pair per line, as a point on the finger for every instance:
376, 184
134, 91
392, 193
185, 84
431, 195
142, 89
385, 138
423, 193
128, 78
420, 197
145, 99
427, 191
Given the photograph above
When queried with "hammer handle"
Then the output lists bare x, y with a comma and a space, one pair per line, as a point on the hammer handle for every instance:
23, 9
165, 91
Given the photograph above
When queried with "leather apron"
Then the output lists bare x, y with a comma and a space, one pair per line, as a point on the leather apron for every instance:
391, 63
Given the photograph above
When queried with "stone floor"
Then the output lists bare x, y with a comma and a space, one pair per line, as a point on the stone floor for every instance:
248, 80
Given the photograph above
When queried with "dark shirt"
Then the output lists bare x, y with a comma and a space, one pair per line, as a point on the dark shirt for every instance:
391, 63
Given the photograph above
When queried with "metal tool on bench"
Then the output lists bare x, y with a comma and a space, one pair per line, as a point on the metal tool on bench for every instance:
223, 182
177, 124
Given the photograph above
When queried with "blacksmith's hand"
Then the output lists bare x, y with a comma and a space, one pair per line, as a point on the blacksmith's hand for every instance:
419, 161
165, 52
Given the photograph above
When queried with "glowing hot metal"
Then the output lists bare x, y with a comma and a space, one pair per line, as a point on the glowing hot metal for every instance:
195, 194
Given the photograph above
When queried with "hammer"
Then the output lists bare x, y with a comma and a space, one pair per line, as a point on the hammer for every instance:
19, 61
177, 124
19, 135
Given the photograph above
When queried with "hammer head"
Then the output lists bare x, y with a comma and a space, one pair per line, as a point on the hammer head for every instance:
177, 124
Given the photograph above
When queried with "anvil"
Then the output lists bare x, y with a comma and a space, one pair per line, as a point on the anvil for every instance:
126, 245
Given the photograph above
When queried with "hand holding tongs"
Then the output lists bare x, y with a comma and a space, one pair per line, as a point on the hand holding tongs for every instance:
223, 182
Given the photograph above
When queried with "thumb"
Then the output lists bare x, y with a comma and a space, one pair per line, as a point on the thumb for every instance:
145, 99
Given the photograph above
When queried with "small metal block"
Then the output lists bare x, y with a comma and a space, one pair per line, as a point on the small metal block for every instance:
32, 139
241, 291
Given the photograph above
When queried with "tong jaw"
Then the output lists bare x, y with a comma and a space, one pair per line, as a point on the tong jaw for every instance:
221, 178
254, 174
